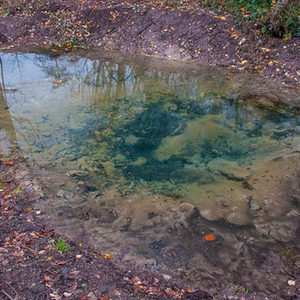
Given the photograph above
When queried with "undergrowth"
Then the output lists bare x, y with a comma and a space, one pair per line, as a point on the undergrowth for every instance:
285, 25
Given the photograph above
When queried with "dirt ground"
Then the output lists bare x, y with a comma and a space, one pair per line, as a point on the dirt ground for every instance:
182, 33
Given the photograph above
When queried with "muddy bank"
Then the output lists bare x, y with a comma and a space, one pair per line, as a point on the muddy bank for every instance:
183, 34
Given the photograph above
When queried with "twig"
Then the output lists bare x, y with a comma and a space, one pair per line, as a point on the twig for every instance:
13, 289
2, 74
144, 29
7, 295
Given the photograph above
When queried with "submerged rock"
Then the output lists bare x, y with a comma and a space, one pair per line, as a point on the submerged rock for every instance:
139, 161
207, 136
131, 140
5, 146
109, 168
78, 173
230, 169
281, 230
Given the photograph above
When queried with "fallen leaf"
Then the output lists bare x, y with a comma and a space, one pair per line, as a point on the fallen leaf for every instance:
4, 262
67, 295
113, 15
54, 296
107, 256
291, 282
210, 237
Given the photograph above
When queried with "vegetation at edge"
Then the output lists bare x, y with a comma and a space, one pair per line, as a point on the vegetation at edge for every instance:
278, 18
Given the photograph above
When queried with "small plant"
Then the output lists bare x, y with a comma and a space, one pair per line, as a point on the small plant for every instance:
62, 245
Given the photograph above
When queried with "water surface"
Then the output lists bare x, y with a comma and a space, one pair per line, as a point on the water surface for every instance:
156, 155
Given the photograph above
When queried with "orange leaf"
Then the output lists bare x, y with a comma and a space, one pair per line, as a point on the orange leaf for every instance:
107, 256
113, 15
210, 237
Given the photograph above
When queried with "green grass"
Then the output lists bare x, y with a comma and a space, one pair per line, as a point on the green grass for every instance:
62, 245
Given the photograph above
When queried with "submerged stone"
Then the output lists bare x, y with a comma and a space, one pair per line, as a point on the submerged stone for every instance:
230, 169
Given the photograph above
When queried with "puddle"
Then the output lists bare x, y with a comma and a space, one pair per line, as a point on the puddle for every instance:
145, 162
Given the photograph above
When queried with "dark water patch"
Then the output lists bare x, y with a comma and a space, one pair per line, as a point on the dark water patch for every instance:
154, 123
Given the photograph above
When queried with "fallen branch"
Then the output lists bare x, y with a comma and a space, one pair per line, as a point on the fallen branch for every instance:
7, 295
2, 74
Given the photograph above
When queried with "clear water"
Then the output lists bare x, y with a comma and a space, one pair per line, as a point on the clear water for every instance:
135, 133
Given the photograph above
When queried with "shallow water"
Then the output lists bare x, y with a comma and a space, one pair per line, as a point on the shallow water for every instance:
153, 152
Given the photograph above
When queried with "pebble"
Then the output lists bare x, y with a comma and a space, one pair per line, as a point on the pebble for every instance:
92, 296
166, 277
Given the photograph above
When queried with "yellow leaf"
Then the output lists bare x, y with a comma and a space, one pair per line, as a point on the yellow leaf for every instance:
113, 15
221, 17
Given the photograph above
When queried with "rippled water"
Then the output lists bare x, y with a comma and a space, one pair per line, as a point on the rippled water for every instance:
153, 151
